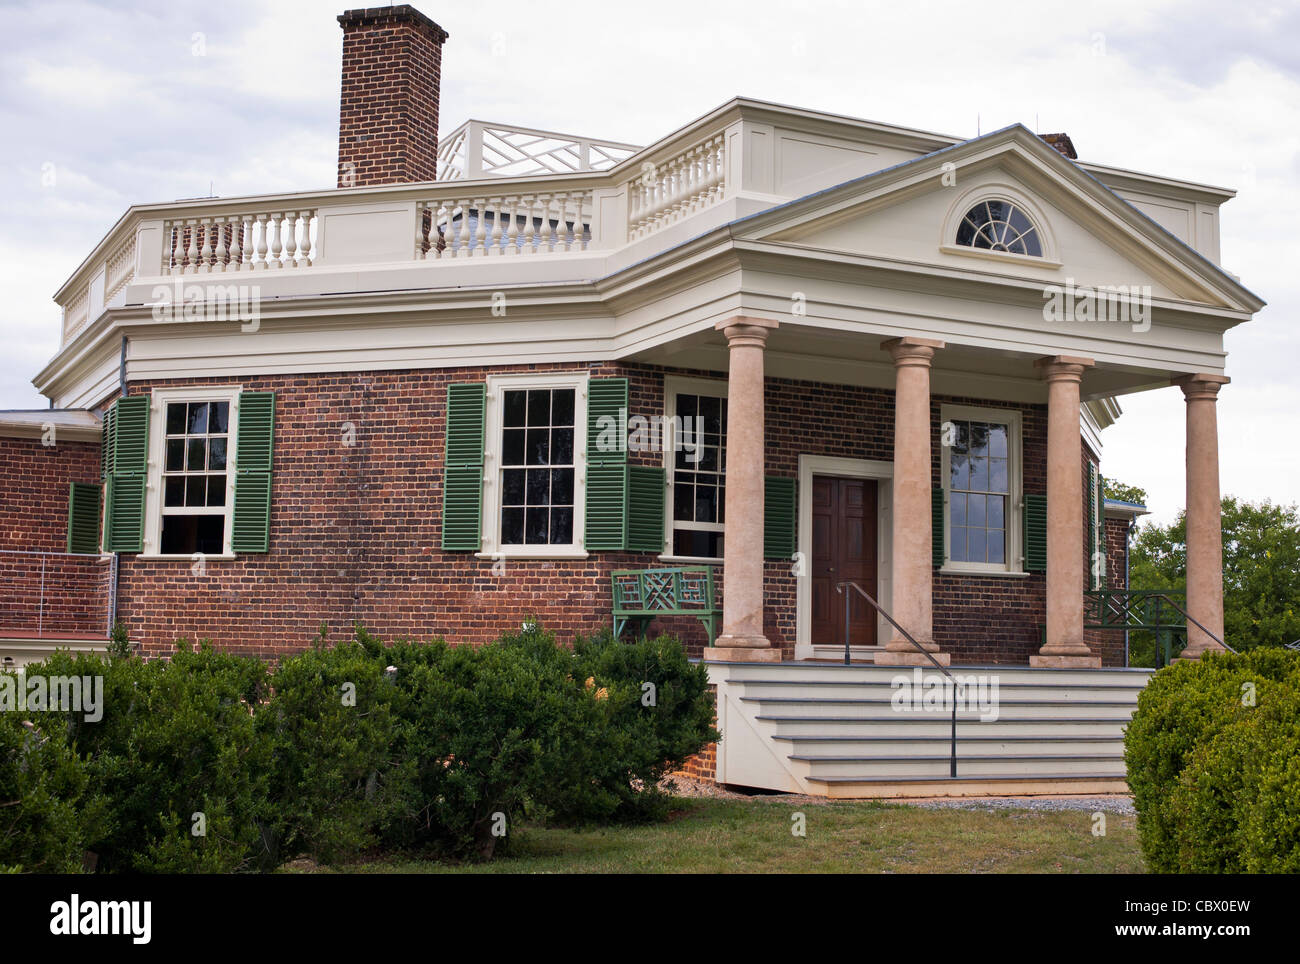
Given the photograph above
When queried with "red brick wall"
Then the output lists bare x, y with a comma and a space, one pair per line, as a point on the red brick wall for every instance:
355, 531
388, 107
34, 482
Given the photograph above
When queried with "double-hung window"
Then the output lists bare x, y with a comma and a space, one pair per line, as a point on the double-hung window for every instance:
697, 464
535, 440
980, 469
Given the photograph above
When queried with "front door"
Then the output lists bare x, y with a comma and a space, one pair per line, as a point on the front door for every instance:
843, 550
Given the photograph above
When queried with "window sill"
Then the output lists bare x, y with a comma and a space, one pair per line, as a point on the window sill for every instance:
159, 557
995, 573
534, 555
691, 560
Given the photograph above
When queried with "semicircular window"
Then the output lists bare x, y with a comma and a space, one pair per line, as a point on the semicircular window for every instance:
999, 226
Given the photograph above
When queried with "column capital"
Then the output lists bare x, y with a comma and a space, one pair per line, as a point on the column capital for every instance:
1063, 367
746, 331
1201, 386
911, 351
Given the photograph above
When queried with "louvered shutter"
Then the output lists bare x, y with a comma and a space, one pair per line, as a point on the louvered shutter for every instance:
778, 518
462, 477
1034, 527
83, 517
645, 508
254, 441
606, 524
938, 527
127, 445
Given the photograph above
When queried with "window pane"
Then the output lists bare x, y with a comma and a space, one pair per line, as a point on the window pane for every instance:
176, 418
515, 409
998, 441
536, 526
174, 491
706, 503
561, 525
196, 487
217, 454
687, 406
175, 460
198, 421
512, 527
562, 487
187, 534
997, 551
975, 545
957, 544
512, 446
689, 542
683, 500
562, 407
562, 446
995, 506
218, 417
216, 490
979, 474
711, 415
196, 456
959, 471
961, 438
512, 487
539, 446
975, 510
539, 407
957, 508
539, 487
979, 438
997, 475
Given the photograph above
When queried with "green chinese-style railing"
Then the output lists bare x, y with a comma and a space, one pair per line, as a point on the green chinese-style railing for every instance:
1159, 611
642, 594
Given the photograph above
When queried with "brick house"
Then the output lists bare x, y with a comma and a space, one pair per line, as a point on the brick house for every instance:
827, 351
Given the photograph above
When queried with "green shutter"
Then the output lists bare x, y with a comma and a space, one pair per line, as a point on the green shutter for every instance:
645, 508
938, 527
1098, 523
608, 489
83, 517
125, 457
778, 518
1034, 523
462, 476
107, 438
254, 443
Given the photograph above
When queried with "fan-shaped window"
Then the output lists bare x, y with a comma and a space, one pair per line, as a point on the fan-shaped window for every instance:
999, 226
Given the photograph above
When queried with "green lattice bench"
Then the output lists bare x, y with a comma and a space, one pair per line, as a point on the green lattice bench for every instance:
642, 594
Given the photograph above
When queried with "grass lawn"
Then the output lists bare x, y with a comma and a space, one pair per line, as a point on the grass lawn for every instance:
754, 836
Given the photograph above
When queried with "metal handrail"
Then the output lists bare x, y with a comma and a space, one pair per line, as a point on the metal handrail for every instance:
1193, 619
839, 587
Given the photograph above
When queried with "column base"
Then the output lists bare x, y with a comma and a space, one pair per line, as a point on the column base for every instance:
742, 649
1192, 655
910, 657
1050, 661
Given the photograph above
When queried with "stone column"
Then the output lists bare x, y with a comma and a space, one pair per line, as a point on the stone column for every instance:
1065, 532
1204, 515
742, 638
913, 574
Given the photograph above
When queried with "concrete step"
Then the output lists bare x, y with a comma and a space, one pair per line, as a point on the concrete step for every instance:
818, 747
875, 689
883, 708
852, 727
893, 788
968, 765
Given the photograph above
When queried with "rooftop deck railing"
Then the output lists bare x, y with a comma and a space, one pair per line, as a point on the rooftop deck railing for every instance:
56, 595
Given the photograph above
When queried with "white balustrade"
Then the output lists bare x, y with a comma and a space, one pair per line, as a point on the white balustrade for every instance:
662, 194
503, 225
239, 242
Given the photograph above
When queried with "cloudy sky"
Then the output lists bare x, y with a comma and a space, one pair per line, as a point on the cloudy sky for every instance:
113, 103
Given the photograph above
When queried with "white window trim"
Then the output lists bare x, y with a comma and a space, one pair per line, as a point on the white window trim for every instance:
1014, 551
1000, 191
491, 532
160, 399
673, 384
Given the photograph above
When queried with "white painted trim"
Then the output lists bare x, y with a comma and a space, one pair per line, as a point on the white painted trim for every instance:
158, 402
1013, 550
883, 473
491, 521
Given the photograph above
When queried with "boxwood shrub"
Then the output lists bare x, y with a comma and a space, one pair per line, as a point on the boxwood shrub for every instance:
1212, 755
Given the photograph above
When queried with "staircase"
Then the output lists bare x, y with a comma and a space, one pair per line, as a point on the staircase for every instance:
833, 730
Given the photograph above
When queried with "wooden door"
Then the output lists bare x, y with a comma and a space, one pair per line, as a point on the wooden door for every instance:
843, 550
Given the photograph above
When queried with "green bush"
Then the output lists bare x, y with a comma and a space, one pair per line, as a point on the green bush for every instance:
177, 739
1210, 772
49, 810
654, 711
334, 734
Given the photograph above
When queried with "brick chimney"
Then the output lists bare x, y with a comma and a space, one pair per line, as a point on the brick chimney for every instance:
1062, 143
388, 110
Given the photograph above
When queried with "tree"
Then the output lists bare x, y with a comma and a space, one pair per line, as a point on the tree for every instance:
1125, 493
1261, 569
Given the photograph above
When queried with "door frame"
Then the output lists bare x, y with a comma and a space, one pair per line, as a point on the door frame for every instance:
883, 474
